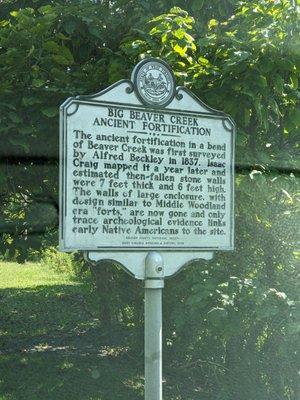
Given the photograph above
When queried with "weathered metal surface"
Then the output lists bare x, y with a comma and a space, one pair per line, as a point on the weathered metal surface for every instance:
146, 166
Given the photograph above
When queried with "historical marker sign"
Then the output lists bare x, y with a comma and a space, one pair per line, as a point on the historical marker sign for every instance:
145, 165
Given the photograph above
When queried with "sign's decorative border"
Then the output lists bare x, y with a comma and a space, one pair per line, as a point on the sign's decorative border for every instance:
227, 122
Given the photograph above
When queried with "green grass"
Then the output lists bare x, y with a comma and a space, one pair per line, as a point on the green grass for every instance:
31, 275
52, 345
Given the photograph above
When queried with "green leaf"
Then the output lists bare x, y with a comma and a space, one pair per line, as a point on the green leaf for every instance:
70, 26
62, 36
262, 81
179, 33
178, 10
278, 83
4, 23
14, 117
189, 37
274, 107
61, 59
164, 38
197, 5
66, 53
155, 30
50, 111
242, 55
95, 31
180, 50
295, 116
52, 47
203, 61
247, 116
37, 83
45, 9
294, 81
29, 101
212, 23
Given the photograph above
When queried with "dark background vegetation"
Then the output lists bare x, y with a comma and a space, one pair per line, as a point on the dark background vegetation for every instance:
231, 325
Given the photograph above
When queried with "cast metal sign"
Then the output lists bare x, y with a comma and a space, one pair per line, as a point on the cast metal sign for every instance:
145, 165
146, 180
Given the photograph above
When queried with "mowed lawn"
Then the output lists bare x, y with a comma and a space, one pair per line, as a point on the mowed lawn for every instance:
52, 345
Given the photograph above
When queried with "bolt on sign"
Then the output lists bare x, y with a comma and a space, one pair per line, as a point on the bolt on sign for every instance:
145, 165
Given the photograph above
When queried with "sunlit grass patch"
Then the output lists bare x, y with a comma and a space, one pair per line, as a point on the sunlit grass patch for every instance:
14, 275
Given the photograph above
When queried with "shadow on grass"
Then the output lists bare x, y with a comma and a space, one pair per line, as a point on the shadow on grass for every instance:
46, 310
57, 377
53, 347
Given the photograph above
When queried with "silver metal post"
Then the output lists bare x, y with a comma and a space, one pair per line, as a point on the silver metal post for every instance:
154, 283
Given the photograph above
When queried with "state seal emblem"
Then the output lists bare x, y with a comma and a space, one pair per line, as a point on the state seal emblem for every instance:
154, 82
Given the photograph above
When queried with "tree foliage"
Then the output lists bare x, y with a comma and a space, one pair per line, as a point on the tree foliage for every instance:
235, 320
47, 54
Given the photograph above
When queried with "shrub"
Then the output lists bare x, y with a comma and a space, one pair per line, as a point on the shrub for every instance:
66, 263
